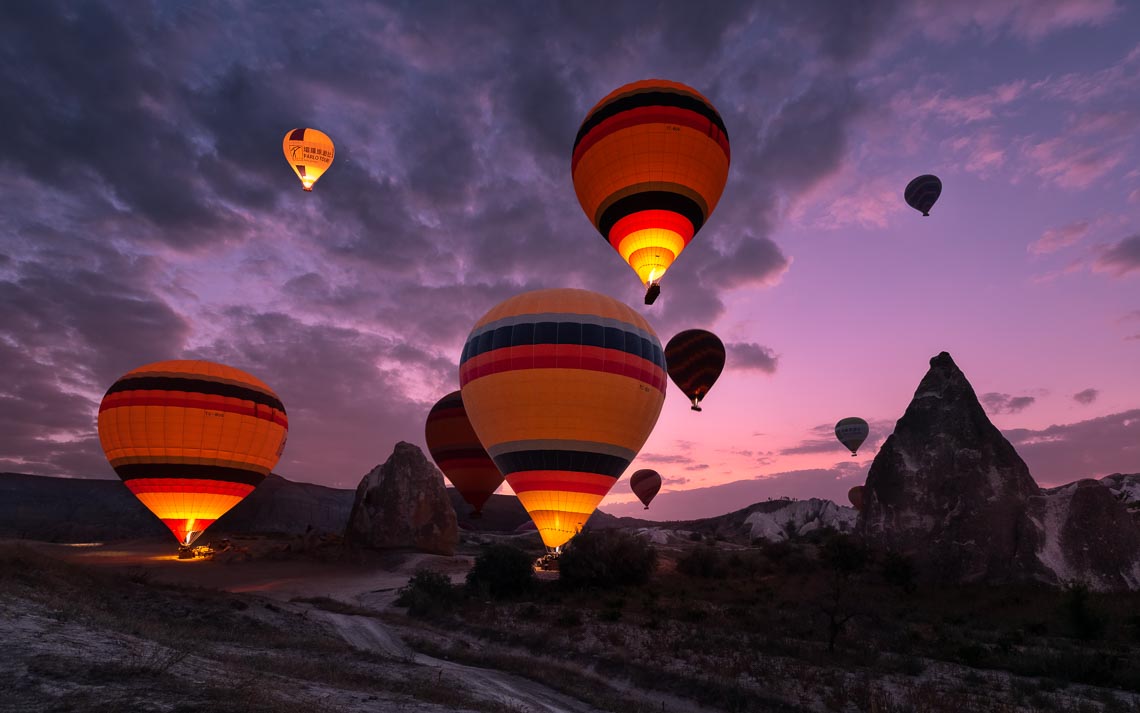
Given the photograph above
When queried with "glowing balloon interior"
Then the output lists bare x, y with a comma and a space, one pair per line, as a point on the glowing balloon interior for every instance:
191, 439
562, 387
309, 153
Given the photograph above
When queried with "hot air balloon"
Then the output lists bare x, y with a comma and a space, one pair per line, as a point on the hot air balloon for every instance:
562, 386
695, 358
645, 484
923, 192
457, 451
191, 439
855, 495
851, 432
649, 164
310, 153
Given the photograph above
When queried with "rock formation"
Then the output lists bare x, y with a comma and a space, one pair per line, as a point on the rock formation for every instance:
798, 518
402, 504
949, 490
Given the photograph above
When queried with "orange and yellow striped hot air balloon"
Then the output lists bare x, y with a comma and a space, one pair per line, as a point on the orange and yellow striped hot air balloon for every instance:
191, 439
309, 153
649, 165
457, 451
562, 387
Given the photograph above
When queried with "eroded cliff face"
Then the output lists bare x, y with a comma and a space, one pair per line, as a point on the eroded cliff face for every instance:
403, 504
949, 490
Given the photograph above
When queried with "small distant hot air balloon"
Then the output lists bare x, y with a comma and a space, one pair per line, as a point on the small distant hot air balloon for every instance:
191, 439
310, 153
923, 192
562, 387
855, 495
645, 484
851, 432
457, 451
695, 359
649, 164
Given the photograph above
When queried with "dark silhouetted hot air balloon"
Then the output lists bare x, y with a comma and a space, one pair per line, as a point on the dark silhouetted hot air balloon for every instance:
923, 192
649, 164
191, 439
645, 484
562, 387
310, 153
457, 451
851, 432
855, 495
695, 359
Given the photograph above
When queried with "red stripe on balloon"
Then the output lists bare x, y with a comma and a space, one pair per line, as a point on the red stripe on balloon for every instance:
562, 356
124, 399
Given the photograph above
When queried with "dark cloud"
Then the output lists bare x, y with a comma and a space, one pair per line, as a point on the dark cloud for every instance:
664, 458
749, 355
1086, 397
1006, 404
1086, 449
698, 466
1121, 258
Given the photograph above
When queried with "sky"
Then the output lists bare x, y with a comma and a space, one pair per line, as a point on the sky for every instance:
150, 214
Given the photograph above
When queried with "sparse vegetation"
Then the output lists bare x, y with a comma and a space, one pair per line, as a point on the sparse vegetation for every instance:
501, 572
427, 593
606, 559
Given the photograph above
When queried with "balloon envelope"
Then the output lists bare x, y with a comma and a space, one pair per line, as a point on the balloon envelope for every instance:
562, 387
191, 439
309, 153
855, 495
649, 165
851, 432
645, 484
695, 358
457, 451
922, 192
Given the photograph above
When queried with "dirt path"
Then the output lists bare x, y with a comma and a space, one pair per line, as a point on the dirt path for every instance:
510, 691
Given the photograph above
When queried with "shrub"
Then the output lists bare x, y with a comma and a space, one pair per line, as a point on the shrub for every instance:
427, 593
707, 562
501, 572
606, 558
1086, 621
898, 570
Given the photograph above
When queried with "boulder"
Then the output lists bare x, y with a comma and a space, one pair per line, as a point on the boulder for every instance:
403, 504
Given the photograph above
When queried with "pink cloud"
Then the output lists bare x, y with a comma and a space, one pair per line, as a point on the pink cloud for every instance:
984, 152
1134, 196
1057, 238
1120, 258
1027, 19
1069, 165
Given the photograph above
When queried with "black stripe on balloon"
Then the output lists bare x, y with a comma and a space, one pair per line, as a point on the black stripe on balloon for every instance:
297, 135
188, 471
644, 99
589, 335
651, 200
572, 461
194, 386
455, 453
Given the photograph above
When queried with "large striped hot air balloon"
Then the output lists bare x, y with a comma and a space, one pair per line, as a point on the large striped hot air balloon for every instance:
649, 164
457, 451
191, 438
309, 153
851, 432
695, 358
562, 387
645, 484
922, 193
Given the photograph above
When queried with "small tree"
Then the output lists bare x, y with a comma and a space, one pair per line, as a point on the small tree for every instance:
844, 559
427, 593
606, 558
502, 572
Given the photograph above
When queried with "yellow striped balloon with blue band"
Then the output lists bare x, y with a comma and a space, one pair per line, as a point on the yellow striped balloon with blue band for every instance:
562, 387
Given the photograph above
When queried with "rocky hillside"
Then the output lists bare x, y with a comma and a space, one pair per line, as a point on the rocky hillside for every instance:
949, 490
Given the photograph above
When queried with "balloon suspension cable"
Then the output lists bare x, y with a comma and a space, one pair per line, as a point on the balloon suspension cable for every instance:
475, 515
652, 292
925, 214
696, 404
308, 189
646, 507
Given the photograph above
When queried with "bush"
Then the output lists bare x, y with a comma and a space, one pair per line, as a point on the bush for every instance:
501, 572
707, 562
606, 558
898, 570
427, 593
1086, 622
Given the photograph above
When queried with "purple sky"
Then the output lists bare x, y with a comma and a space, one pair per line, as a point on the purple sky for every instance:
150, 215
